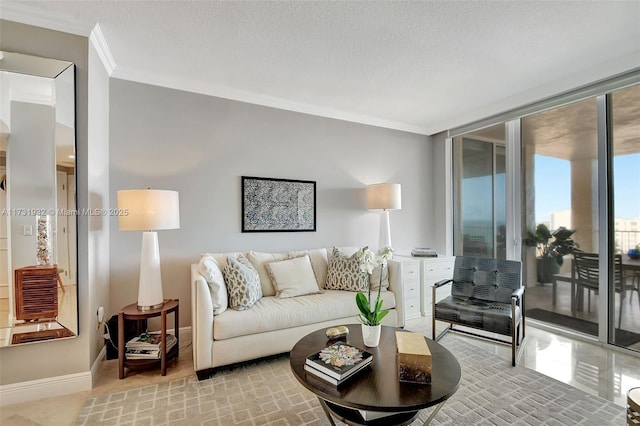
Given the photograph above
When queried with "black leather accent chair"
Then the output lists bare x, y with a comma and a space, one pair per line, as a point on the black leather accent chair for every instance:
486, 294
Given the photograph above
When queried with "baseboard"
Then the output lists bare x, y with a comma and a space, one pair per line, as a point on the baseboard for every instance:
96, 364
16, 393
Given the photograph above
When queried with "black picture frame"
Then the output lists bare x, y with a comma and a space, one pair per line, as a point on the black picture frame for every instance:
278, 205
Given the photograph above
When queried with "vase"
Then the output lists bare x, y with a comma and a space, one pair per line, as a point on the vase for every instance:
44, 246
546, 268
371, 335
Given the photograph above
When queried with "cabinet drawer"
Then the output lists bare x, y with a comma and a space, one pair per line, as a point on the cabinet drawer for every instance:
411, 271
411, 309
412, 290
439, 267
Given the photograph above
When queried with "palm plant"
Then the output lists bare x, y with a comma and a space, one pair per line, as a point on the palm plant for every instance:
552, 245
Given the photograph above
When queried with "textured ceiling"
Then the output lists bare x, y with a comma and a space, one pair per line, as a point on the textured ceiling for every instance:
418, 66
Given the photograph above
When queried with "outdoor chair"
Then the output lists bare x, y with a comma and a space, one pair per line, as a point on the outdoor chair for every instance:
486, 294
587, 275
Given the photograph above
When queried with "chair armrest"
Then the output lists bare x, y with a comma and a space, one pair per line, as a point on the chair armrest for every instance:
443, 282
518, 293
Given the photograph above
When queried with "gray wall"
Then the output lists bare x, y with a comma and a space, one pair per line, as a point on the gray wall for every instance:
57, 358
201, 146
98, 197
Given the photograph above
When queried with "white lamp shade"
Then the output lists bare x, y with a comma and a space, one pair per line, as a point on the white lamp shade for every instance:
384, 196
148, 209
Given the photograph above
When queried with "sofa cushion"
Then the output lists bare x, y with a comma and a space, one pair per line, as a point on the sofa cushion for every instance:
243, 283
293, 277
212, 274
272, 313
259, 261
344, 272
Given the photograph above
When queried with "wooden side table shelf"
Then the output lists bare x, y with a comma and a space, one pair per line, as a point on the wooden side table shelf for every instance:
131, 312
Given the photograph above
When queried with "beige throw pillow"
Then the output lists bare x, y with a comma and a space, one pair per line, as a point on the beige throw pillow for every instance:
344, 273
319, 263
375, 278
293, 277
243, 283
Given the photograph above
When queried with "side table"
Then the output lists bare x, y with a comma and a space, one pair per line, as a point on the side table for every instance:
131, 312
633, 407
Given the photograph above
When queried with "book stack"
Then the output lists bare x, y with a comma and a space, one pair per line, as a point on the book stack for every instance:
337, 363
423, 252
147, 346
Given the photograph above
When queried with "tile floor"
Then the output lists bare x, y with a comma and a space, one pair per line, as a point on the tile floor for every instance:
585, 365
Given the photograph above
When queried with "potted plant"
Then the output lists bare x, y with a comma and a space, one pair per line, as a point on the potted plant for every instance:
551, 247
371, 312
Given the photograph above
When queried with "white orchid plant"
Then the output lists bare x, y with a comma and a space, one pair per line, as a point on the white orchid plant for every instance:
372, 313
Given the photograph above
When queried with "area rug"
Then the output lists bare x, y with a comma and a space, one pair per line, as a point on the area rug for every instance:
623, 337
491, 392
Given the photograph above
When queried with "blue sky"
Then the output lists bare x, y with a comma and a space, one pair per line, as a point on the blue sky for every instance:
556, 174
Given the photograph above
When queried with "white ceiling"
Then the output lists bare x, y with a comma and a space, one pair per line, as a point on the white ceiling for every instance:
422, 67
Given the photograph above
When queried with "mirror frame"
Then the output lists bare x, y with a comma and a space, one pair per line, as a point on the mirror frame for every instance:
62, 75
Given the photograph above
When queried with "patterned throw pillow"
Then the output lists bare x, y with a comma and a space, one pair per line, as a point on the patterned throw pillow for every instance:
243, 283
344, 273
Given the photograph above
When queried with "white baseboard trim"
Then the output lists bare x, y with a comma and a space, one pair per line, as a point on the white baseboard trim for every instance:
96, 364
16, 393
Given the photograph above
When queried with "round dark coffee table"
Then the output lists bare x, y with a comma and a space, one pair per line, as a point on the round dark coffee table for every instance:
377, 390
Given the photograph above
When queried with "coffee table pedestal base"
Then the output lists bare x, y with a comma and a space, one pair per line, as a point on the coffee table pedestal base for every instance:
355, 418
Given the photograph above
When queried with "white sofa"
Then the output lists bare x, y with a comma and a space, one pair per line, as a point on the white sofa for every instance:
273, 325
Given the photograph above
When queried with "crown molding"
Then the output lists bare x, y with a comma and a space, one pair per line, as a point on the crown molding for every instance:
102, 48
32, 16
36, 17
258, 99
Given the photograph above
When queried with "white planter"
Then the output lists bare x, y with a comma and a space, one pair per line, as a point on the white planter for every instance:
371, 335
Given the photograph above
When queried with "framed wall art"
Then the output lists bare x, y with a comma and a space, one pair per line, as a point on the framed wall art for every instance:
278, 205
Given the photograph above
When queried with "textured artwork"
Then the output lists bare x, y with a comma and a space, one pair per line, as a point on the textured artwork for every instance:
278, 205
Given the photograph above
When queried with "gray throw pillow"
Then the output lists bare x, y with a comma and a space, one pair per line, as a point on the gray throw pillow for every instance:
243, 283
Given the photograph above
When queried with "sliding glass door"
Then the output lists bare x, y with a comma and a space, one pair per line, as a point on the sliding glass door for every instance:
625, 291
560, 177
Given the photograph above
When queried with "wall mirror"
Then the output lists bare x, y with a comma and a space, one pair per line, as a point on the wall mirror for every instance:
38, 215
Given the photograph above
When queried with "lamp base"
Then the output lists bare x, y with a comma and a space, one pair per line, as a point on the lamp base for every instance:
149, 308
150, 285
385, 231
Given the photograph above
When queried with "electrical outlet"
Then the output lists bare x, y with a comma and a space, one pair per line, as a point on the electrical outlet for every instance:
100, 315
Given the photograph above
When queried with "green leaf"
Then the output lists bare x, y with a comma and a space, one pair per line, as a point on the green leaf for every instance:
381, 315
363, 304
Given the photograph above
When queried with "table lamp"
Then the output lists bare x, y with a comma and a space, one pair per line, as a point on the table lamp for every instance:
149, 210
385, 197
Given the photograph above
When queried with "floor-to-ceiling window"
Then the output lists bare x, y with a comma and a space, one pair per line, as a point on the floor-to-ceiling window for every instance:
566, 171
625, 114
479, 193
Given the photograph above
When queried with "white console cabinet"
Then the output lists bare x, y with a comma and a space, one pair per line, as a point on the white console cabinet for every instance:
434, 269
411, 285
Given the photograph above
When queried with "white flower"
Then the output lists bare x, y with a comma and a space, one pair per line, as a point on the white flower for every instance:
369, 260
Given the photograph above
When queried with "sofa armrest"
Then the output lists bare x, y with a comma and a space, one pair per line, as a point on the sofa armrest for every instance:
396, 286
201, 321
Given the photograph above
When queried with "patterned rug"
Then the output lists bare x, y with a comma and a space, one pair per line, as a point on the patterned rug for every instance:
266, 393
